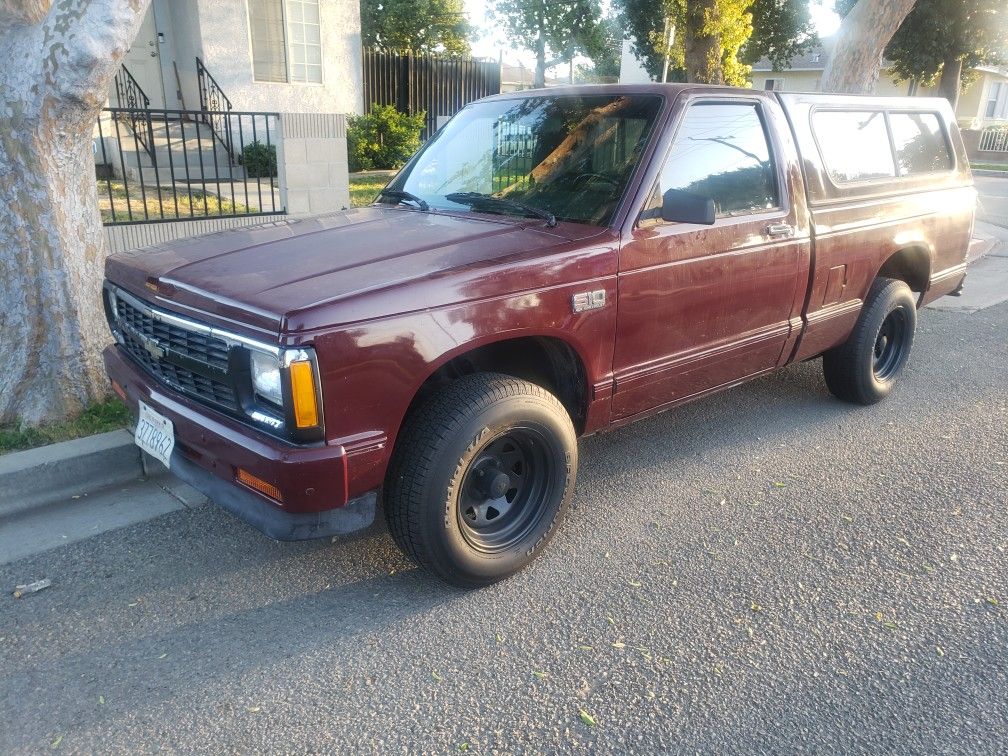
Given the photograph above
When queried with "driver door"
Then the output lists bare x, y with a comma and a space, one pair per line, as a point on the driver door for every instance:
705, 306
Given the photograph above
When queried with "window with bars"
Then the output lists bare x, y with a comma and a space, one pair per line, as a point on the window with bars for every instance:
286, 41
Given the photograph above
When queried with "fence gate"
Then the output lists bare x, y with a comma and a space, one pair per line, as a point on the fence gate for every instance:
438, 85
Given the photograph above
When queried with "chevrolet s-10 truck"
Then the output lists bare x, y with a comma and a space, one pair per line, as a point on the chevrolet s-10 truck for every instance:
549, 265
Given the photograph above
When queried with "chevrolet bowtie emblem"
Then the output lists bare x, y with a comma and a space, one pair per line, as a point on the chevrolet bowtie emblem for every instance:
154, 349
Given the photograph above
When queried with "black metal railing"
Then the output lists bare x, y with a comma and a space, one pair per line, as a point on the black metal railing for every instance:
215, 108
186, 175
134, 106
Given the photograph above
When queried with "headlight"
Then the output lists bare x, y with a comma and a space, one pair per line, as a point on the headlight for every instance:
266, 377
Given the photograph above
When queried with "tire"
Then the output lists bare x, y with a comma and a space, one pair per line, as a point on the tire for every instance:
481, 478
864, 368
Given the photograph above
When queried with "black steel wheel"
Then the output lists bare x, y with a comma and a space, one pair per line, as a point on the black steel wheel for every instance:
480, 478
891, 345
864, 368
504, 491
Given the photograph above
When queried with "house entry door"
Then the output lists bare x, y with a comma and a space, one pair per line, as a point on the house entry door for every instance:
143, 62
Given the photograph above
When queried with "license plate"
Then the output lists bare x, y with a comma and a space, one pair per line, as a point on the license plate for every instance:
155, 434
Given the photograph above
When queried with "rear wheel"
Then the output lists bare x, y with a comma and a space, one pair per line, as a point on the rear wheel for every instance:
481, 478
864, 368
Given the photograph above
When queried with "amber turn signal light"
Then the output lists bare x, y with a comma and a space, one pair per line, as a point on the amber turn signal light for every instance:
302, 379
257, 484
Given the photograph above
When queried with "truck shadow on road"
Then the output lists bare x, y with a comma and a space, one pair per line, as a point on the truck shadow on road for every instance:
158, 605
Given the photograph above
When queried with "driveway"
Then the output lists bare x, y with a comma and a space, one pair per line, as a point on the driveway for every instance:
766, 570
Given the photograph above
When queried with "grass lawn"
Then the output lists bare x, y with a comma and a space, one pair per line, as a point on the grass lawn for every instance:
990, 166
118, 208
363, 189
98, 418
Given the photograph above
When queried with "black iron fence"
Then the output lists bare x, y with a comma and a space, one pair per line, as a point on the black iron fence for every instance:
437, 85
187, 173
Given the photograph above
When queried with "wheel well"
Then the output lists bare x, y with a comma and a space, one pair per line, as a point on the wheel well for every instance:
547, 362
912, 265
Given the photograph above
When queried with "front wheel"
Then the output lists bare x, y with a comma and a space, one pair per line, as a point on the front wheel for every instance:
864, 368
481, 478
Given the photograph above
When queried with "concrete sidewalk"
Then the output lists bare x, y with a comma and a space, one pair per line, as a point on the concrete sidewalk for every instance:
61, 493
987, 279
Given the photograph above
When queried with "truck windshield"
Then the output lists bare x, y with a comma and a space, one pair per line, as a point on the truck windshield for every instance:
569, 156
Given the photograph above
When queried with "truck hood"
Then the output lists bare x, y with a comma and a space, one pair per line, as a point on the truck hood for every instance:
261, 277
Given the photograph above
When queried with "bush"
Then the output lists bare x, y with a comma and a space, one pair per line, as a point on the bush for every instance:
384, 138
259, 160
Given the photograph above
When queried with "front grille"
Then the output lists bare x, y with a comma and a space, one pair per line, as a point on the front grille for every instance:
202, 347
204, 374
180, 378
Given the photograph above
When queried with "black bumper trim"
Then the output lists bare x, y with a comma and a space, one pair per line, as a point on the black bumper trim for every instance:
358, 514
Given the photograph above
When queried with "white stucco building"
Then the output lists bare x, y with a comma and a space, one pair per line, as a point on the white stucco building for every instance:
291, 56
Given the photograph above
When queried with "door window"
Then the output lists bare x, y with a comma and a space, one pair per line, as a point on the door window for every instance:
721, 152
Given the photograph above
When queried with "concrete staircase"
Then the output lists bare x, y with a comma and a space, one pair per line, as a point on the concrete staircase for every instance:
189, 148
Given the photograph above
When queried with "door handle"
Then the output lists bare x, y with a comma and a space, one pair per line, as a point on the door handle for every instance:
779, 229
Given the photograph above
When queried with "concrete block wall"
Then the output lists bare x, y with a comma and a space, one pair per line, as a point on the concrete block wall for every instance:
312, 162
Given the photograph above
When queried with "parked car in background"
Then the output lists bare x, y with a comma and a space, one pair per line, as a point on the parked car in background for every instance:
550, 265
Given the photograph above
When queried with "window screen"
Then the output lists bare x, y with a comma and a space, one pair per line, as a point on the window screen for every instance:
266, 23
920, 143
854, 144
721, 152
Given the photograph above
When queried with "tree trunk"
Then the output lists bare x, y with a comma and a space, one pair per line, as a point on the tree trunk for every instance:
702, 50
52, 245
540, 69
857, 53
951, 77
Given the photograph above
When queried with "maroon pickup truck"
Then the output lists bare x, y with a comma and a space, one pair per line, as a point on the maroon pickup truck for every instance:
551, 264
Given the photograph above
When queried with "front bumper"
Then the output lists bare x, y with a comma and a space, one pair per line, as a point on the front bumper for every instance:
210, 447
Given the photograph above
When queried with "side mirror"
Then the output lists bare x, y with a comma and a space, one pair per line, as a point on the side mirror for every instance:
686, 207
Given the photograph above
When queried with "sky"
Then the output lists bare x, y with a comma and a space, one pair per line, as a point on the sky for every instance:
491, 43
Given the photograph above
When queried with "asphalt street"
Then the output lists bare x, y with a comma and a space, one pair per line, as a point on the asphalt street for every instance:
992, 203
768, 570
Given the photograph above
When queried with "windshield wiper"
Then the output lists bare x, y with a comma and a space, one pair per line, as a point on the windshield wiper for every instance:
478, 199
403, 196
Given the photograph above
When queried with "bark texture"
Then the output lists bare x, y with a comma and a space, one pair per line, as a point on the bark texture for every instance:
857, 54
701, 47
951, 79
59, 61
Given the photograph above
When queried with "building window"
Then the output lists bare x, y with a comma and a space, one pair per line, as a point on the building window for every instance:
994, 94
286, 41
773, 85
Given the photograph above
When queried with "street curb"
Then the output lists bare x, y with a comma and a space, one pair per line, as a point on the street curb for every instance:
40, 476
989, 173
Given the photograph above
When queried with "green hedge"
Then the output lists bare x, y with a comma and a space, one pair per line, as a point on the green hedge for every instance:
259, 160
384, 138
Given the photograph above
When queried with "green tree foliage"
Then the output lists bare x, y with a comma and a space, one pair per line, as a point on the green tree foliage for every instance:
938, 40
603, 47
420, 25
708, 36
555, 30
384, 138
782, 30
